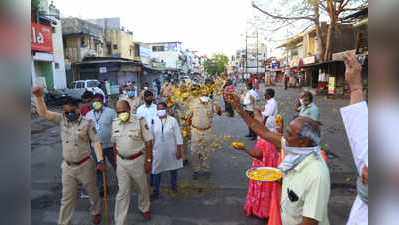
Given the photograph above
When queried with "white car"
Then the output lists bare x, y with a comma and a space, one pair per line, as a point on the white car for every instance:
90, 85
80, 86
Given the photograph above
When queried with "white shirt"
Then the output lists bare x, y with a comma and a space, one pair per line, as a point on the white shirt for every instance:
247, 100
271, 110
355, 119
148, 113
167, 136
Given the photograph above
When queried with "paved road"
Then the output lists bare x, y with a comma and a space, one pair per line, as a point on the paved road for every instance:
218, 201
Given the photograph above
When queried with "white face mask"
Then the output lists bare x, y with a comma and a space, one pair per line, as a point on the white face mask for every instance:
161, 113
295, 155
204, 99
301, 101
145, 88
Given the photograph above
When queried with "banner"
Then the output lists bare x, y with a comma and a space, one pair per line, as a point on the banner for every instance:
41, 38
331, 85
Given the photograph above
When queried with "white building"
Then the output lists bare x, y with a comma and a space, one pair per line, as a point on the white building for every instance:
170, 53
48, 67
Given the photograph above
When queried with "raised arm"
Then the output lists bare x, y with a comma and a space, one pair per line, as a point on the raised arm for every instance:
42, 110
255, 125
353, 75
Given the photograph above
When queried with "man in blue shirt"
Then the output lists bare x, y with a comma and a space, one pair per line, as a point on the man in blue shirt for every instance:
102, 116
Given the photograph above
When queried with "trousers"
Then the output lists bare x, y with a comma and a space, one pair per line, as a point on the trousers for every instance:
201, 150
130, 172
250, 131
156, 181
110, 155
72, 178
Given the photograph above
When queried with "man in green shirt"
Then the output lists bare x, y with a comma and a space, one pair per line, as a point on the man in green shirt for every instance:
306, 184
306, 107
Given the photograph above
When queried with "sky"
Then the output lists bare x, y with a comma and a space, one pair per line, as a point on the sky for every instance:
207, 26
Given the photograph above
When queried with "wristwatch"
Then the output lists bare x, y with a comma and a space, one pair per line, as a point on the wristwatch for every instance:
100, 162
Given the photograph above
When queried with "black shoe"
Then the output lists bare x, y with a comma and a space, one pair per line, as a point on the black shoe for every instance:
248, 135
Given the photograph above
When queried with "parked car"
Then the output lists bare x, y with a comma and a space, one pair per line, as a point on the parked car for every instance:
55, 98
80, 86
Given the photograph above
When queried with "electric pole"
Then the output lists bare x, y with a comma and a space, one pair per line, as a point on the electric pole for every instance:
257, 53
246, 52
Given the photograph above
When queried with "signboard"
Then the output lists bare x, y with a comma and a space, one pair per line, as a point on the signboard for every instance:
331, 85
340, 56
41, 38
103, 69
309, 60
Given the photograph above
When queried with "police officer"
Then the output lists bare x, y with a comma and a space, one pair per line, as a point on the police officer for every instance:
77, 133
201, 111
133, 143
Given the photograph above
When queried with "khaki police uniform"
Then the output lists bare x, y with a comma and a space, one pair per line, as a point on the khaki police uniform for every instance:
201, 134
77, 168
130, 138
134, 103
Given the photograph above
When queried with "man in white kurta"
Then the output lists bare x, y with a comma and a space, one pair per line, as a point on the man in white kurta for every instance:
167, 151
355, 117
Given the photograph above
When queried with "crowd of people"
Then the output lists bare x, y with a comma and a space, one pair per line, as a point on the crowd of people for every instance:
148, 134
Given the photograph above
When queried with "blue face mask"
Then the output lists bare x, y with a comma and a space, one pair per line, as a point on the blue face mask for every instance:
72, 116
130, 94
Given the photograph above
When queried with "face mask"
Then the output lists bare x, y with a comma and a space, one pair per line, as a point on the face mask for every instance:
145, 88
295, 155
204, 99
130, 94
161, 113
72, 116
148, 102
97, 105
301, 101
124, 117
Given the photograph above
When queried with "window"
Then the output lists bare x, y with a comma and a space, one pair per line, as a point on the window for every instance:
83, 42
160, 48
57, 65
79, 84
115, 47
109, 50
92, 83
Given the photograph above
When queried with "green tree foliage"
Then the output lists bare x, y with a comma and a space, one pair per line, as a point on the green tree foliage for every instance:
216, 64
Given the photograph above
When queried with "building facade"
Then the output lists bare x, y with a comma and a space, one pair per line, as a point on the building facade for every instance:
119, 41
48, 68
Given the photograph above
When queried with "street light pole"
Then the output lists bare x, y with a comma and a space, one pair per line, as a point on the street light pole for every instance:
246, 52
257, 53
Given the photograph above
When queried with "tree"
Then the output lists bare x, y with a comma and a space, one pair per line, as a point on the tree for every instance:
286, 12
216, 64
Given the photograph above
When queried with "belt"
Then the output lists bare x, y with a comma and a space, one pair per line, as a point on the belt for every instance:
202, 129
77, 163
132, 157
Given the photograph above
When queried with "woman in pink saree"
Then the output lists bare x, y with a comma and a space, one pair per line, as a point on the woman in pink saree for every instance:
259, 196
259, 193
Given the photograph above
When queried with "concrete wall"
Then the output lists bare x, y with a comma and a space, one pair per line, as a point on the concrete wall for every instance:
59, 61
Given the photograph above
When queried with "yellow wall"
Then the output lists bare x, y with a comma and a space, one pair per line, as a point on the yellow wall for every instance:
123, 40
